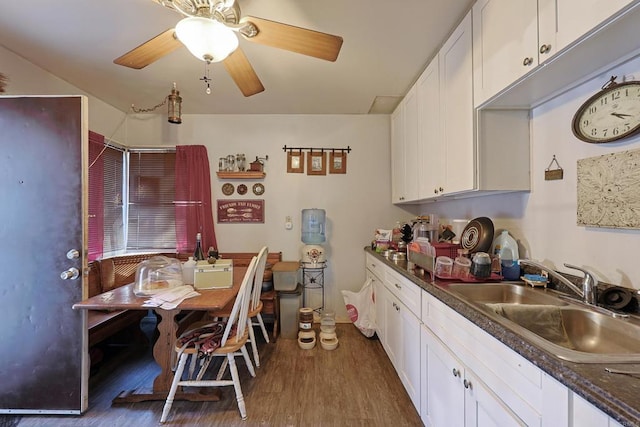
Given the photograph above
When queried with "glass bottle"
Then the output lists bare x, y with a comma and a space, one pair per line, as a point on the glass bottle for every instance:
198, 254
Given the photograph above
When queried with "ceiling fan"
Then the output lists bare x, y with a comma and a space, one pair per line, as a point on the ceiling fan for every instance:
209, 29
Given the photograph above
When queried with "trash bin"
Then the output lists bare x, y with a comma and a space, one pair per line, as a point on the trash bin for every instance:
290, 303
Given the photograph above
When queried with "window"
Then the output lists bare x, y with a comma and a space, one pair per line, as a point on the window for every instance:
137, 204
131, 194
106, 208
151, 221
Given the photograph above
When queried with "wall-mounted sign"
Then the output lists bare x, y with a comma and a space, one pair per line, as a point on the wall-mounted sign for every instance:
240, 211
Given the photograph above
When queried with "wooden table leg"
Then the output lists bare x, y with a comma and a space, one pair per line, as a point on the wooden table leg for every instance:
163, 354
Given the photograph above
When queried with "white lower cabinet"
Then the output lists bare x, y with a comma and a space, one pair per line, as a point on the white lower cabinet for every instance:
583, 414
456, 374
452, 395
402, 343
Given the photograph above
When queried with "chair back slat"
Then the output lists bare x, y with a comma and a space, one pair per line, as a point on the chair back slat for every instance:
240, 308
258, 277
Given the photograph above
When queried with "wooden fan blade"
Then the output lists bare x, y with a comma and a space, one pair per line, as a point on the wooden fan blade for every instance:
296, 39
150, 51
240, 69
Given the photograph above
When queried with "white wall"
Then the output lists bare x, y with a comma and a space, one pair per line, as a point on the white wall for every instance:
356, 203
24, 78
544, 221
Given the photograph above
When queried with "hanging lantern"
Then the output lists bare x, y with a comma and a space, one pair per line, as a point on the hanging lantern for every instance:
174, 105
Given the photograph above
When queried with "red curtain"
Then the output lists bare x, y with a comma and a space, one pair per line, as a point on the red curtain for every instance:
194, 212
96, 196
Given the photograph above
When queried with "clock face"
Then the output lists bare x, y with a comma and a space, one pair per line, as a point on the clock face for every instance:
609, 115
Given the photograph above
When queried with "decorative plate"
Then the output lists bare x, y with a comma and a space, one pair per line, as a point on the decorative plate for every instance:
258, 189
227, 189
242, 189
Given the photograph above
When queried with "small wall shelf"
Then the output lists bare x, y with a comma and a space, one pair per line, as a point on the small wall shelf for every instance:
241, 175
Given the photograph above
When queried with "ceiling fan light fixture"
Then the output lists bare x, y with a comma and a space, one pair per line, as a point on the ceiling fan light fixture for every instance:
207, 39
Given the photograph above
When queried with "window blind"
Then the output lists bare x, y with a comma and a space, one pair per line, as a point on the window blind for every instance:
151, 223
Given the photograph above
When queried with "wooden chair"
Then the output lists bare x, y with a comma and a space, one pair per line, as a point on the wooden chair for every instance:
230, 345
255, 306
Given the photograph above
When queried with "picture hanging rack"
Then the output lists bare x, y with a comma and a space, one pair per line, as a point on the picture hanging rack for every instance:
321, 150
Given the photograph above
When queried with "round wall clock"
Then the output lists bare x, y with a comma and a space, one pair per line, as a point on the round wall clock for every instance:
611, 114
227, 189
258, 189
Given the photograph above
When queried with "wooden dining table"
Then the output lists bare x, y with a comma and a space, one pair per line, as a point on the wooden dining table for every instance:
123, 298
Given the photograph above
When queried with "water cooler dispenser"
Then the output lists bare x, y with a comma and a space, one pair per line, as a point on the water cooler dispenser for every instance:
313, 259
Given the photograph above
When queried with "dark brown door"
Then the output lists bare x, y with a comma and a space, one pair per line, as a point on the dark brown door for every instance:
42, 162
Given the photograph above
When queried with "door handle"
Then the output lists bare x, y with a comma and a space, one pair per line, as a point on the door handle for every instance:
70, 274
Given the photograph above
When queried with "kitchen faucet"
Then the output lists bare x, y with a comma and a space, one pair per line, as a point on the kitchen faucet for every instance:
588, 293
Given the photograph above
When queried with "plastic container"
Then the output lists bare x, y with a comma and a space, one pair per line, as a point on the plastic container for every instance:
444, 266
188, 270
328, 321
313, 223
461, 267
305, 319
290, 303
157, 274
286, 275
506, 248
505, 241
481, 265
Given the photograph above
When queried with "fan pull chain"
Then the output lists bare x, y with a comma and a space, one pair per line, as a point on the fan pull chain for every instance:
206, 79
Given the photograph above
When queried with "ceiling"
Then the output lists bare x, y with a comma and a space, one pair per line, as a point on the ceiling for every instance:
386, 47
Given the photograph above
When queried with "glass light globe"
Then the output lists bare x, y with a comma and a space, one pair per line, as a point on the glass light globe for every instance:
207, 39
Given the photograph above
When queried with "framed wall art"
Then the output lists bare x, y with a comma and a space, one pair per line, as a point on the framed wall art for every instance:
316, 163
338, 162
295, 162
240, 211
608, 190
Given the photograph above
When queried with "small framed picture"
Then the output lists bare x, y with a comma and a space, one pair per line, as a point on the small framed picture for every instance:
295, 162
317, 163
338, 162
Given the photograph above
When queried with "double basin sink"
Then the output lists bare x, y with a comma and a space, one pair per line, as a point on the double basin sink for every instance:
568, 329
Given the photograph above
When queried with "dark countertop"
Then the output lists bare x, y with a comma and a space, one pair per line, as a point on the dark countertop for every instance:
616, 395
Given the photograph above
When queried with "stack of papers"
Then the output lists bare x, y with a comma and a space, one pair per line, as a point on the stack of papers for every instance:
168, 300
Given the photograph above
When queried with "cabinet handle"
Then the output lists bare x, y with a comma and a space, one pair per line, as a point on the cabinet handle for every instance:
441, 189
545, 48
467, 384
435, 191
456, 373
527, 61
398, 286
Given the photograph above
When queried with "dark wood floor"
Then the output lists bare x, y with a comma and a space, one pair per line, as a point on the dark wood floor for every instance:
354, 385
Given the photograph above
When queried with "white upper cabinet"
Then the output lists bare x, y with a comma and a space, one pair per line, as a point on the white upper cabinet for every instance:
430, 145
528, 51
404, 149
397, 155
456, 110
577, 17
505, 44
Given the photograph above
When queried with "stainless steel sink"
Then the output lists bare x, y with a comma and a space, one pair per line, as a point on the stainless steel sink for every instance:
568, 330
486, 293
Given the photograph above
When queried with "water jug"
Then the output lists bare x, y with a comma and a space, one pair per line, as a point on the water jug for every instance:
313, 221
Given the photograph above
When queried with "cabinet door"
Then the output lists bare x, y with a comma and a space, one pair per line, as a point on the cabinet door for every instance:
430, 146
443, 401
379, 302
483, 408
456, 101
397, 154
393, 329
576, 17
505, 44
411, 145
410, 366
